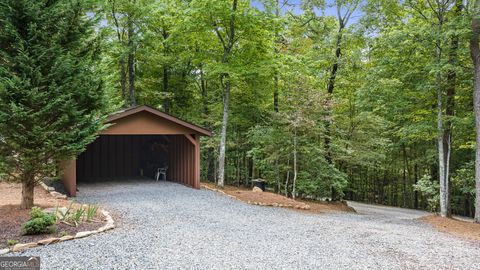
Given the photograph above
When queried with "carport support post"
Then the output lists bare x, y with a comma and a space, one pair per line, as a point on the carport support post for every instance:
195, 140
69, 176
196, 183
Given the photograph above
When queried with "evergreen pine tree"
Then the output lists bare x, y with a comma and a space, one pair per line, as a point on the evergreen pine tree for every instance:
50, 94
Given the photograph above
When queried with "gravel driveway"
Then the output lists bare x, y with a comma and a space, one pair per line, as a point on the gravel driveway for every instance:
169, 226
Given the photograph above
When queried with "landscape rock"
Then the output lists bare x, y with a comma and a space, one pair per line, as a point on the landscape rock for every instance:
306, 207
108, 218
20, 247
106, 228
4, 251
257, 189
58, 195
66, 238
47, 188
48, 241
84, 234
53, 210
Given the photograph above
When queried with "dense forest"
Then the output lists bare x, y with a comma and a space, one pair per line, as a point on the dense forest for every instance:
337, 99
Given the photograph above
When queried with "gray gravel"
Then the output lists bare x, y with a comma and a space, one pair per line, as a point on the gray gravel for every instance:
169, 226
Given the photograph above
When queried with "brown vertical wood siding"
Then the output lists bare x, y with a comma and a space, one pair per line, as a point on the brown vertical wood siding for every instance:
181, 158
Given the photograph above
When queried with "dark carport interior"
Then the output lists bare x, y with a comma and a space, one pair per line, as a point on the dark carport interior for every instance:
117, 157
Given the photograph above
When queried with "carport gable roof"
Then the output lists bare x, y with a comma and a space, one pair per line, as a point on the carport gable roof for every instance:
143, 108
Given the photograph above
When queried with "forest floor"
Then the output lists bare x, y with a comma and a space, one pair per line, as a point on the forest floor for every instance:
272, 199
12, 217
461, 228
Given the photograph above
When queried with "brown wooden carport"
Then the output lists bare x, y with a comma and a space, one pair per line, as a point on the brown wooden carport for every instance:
136, 142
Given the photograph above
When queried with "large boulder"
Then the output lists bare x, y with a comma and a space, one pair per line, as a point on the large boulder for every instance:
54, 210
257, 189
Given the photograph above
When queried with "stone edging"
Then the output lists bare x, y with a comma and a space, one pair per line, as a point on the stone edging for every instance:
110, 224
301, 207
45, 242
52, 191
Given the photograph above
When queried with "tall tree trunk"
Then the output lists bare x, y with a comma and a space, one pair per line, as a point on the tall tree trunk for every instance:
338, 54
277, 175
443, 165
449, 113
223, 135
287, 179
275, 109
123, 80
404, 153
28, 185
395, 191
121, 62
276, 75
475, 53
210, 159
167, 101
330, 88
131, 61
294, 164
275, 94
237, 161
443, 149
249, 171
225, 81
206, 123
328, 122
415, 194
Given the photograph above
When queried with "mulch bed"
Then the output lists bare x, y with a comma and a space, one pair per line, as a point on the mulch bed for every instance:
461, 228
328, 207
12, 217
248, 195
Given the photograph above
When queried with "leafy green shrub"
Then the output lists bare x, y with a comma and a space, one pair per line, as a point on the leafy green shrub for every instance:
39, 222
36, 212
464, 179
11, 242
431, 190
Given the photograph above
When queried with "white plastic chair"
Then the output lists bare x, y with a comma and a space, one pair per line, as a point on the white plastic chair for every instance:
161, 172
